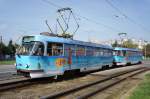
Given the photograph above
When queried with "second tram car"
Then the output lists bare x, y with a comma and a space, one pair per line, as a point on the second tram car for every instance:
124, 56
45, 56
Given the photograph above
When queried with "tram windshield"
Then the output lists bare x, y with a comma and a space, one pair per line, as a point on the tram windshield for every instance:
119, 53
31, 48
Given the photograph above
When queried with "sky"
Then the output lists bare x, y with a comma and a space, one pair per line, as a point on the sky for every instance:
27, 17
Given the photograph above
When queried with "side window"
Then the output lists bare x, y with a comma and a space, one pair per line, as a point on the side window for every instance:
105, 52
89, 51
101, 52
119, 52
96, 51
110, 52
68, 48
124, 53
54, 49
49, 49
80, 50
129, 53
38, 49
41, 50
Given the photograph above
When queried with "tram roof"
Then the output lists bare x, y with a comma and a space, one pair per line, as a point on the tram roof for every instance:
68, 41
128, 49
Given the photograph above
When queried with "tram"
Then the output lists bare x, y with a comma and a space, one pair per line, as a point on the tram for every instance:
124, 56
45, 56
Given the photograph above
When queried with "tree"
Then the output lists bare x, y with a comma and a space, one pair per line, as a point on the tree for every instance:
11, 48
126, 44
115, 44
146, 50
2, 48
129, 44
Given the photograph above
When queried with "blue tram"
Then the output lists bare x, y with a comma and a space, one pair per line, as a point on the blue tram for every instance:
45, 56
124, 56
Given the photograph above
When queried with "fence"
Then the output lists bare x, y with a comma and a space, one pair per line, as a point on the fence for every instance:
7, 57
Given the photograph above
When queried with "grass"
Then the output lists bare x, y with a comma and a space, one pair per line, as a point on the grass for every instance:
7, 62
143, 90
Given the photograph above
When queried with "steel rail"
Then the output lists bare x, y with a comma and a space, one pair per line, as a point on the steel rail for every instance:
15, 83
74, 89
99, 89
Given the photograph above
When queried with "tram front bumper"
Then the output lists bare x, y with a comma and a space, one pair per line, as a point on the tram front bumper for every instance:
120, 63
32, 73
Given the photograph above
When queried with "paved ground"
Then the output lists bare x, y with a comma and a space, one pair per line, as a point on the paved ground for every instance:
7, 71
7, 68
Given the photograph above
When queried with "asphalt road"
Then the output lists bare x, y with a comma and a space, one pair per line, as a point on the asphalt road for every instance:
7, 71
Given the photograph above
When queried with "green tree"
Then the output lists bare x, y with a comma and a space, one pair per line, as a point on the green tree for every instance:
115, 44
11, 48
129, 44
2, 48
146, 50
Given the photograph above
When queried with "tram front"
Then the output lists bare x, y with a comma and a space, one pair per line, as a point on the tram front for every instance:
27, 57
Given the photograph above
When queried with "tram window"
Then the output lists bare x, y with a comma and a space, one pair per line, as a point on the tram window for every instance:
80, 51
110, 52
124, 53
89, 51
38, 49
49, 49
97, 52
69, 48
101, 52
104, 52
107, 52
115, 53
119, 53
54, 49
129, 53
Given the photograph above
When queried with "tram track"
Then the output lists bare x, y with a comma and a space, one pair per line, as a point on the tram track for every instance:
10, 77
14, 83
92, 88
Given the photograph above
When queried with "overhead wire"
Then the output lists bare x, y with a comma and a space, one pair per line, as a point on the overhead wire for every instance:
83, 17
126, 16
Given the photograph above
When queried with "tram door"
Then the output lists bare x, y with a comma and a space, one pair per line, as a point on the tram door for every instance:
37, 55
